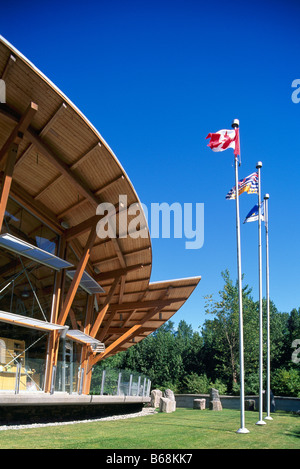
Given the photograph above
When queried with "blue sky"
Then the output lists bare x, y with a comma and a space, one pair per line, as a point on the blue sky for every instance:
155, 78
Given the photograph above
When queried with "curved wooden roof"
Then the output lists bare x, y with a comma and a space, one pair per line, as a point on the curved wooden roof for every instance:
64, 170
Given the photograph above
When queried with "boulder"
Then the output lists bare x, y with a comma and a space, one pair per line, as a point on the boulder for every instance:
168, 393
166, 405
199, 404
214, 394
215, 404
250, 404
156, 394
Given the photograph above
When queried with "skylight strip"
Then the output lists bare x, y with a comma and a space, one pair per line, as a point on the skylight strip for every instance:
32, 252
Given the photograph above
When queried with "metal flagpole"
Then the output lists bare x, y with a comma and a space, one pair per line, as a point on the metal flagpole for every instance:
242, 429
260, 421
268, 390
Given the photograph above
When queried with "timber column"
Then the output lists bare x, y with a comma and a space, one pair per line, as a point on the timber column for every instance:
53, 339
65, 309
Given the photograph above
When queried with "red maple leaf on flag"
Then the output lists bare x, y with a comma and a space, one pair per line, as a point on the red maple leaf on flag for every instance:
221, 140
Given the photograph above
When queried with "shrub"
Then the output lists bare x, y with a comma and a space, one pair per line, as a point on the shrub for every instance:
166, 385
222, 388
286, 382
195, 384
252, 383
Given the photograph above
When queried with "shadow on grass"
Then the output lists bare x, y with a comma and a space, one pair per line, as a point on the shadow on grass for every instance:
294, 434
209, 421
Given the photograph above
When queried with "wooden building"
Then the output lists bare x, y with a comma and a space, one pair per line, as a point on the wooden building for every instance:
62, 287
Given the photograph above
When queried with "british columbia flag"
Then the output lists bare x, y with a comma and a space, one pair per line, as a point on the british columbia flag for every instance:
249, 184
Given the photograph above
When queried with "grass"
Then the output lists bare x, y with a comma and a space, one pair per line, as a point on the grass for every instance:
183, 429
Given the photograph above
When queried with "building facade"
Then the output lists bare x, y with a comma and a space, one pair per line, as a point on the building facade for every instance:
69, 297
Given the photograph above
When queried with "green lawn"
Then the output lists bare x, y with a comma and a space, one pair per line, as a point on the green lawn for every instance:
183, 429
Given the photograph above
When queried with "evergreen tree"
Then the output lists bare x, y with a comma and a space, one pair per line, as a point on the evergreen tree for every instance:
190, 361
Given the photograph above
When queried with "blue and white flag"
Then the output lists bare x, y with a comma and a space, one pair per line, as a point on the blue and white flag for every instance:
253, 214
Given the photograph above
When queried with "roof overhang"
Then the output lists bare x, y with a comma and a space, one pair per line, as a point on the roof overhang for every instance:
63, 172
160, 302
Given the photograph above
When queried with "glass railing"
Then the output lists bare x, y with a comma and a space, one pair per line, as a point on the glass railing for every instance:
17, 377
112, 382
68, 378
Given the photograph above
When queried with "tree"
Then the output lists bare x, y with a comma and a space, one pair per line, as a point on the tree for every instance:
158, 356
223, 330
286, 382
185, 360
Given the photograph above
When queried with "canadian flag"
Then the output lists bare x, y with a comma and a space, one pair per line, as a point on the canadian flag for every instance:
224, 139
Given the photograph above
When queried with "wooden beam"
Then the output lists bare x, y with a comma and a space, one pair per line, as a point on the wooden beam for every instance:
67, 210
43, 132
125, 254
86, 352
62, 167
51, 358
114, 308
21, 127
7, 179
108, 184
144, 304
79, 203
133, 331
122, 330
78, 250
99, 320
59, 283
125, 323
73, 319
42, 212
11, 61
122, 289
53, 338
116, 343
82, 227
118, 272
118, 252
104, 308
77, 277
142, 321
10, 148
103, 332
83, 201
72, 167
87, 356
89, 313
